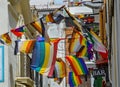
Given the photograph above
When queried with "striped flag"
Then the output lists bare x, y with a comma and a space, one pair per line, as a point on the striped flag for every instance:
6, 38
37, 26
18, 31
80, 45
26, 46
44, 56
74, 80
78, 65
60, 68
97, 44
49, 18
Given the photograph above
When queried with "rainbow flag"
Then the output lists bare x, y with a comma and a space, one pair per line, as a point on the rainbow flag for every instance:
44, 56
18, 31
37, 26
26, 46
75, 43
60, 68
49, 18
81, 46
97, 44
78, 65
74, 80
6, 38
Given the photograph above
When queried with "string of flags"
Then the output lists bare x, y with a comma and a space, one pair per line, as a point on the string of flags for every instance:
44, 53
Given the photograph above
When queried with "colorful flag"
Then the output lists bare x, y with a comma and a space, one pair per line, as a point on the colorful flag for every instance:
44, 56
26, 46
6, 38
37, 26
75, 43
78, 65
97, 44
49, 18
81, 45
60, 68
74, 80
18, 31
2, 42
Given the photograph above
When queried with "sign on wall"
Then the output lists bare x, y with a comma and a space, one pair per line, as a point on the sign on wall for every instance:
98, 72
1, 63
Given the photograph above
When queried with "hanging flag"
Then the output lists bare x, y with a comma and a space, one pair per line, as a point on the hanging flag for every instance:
44, 56
80, 45
16, 47
37, 26
26, 46
18, 31
78, 65
97, 44
49, 18
60, 68
59, 18
74, 80
6, 38
2, 42
75, 43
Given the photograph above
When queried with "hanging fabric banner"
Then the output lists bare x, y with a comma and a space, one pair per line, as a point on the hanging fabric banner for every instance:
6, 38
44, 56
18, 31
78, 65
74, 80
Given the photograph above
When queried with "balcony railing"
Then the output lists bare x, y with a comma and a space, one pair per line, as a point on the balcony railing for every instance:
25, 75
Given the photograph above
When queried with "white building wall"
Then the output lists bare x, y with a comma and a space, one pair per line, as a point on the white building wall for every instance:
4, 29
6, 23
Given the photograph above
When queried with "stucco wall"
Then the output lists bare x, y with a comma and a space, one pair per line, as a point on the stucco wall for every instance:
9, 58
4, 29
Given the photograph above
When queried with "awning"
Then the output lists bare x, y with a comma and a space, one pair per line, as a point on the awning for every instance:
80, 10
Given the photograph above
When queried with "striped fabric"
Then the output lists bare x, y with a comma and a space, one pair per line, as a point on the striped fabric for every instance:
74, 80
60, 68
49, 18
37, 26
26, 46
44, 57
75, 43
6, 38
78, 65
97, 44
18, 31
81, 46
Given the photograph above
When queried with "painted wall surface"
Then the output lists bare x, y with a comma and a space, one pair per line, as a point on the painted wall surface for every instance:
4, 29
9, 58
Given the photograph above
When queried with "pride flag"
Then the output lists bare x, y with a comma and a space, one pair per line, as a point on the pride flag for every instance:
49, 18
80, 45
75, 43
78, 65
97, 44
26, 46
37, 26
74, 80
18, 31
60, 68
44, 56
6, 38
